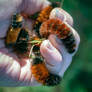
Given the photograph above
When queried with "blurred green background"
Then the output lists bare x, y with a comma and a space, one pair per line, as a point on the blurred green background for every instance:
78, 78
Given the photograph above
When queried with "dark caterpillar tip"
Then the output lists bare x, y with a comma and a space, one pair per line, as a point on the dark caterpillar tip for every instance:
53, 80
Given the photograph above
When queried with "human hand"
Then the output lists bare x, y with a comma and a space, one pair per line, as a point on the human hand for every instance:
16, 72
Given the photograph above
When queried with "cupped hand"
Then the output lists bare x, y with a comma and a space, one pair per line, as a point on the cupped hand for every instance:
15, 71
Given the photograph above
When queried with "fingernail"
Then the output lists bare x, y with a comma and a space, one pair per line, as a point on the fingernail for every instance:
46, 44
57, 13
49, 45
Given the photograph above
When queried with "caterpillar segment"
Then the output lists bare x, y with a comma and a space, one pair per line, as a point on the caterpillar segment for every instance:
39, 70
44, 15
60, 29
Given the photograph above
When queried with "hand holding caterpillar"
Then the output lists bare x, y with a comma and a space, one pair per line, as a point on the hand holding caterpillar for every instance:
51, 26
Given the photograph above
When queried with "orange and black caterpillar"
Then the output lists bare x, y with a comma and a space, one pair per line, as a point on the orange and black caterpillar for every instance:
17, 36
44, 15
61, 30
40, 71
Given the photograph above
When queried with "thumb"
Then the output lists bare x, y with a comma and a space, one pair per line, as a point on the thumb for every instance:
52, 57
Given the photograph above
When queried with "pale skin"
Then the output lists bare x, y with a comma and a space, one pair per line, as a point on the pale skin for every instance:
17, 72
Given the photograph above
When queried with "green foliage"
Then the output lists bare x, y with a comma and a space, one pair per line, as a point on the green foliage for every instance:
78, 77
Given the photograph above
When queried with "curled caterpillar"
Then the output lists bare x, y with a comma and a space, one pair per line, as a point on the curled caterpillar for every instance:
44, 15
60, 29
17, 36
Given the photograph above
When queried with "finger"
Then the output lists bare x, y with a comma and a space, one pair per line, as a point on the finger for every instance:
52, 57
61, 14
2, 45
25, 74
4, 24
33, 6
9, 70
67, 58
14, 74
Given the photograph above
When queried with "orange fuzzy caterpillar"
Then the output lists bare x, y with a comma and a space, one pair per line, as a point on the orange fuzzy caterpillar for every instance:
44, 15
40, 72
54, 26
